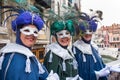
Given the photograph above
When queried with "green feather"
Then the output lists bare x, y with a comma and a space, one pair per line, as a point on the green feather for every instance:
62, 25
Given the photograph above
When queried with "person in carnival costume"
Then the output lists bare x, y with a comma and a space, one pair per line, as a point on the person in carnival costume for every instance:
17, 62
59, 56
90, 64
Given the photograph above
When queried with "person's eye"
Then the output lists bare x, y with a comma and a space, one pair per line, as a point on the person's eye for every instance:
67, 33
35, 32
27, 30
90, 30
60, 34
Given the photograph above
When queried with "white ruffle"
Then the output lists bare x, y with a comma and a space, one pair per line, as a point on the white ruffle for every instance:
64, 66
85, 48
74, 51
84, 58
1, 60
13, 47
51, 56
41, 70
75, 65
28, 69
94, 59
59, 51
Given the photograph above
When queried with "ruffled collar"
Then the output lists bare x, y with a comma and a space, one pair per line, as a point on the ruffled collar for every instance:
84, 47
13, 47
59, 51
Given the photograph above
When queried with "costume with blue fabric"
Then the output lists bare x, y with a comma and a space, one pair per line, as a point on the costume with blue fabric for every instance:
17, 62
86, 52
88, 60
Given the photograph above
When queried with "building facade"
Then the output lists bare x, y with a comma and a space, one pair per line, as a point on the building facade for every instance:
108, 36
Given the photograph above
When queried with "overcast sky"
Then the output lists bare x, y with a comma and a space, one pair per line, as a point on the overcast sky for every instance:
110, 8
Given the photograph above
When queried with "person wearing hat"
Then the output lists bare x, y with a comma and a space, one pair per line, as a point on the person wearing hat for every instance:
17, 62
90, 64
59, 56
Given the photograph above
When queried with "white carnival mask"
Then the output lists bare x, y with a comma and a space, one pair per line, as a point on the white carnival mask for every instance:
88, 32
29, 31
63, 34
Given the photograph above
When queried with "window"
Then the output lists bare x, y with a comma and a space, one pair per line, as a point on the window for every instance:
117, 38
114, 39
39, 53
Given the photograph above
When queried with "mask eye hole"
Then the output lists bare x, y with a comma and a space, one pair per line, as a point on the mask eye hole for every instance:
60, 34
36, 32
90, 30
27, 30
67, 33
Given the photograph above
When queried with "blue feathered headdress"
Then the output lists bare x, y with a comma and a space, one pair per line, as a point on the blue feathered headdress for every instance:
26, 18
87, 24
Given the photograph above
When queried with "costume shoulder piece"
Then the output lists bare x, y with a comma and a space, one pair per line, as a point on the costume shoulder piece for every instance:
85, 48
58, 50
12, 47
